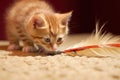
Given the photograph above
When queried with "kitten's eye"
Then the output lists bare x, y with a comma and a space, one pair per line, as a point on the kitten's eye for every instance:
47, 39
59, 39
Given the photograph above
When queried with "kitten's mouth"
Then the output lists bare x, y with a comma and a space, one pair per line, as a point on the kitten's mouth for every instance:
42, 49
48, 51
53, 49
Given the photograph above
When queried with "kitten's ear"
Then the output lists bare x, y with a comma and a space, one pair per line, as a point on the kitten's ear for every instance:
37, 22
65, 18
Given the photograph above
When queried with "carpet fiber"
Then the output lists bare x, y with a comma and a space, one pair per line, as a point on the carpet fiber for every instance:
32, 66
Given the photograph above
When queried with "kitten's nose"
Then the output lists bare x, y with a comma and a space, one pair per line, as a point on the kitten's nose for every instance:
54, 47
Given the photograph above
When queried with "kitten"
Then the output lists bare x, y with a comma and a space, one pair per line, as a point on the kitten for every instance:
35, 22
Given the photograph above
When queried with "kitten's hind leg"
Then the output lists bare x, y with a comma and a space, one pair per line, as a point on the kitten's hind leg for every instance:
12, 47
13, 42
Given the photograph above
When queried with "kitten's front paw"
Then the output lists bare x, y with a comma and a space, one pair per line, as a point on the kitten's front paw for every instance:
13, 47
29, 49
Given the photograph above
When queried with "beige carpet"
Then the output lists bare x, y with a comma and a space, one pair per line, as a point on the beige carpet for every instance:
30, 66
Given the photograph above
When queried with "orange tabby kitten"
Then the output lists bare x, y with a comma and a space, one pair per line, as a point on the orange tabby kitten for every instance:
35, 22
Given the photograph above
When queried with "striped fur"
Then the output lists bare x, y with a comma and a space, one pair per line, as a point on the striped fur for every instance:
32, 21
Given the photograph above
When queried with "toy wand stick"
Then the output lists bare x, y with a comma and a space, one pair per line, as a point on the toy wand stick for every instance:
91, 46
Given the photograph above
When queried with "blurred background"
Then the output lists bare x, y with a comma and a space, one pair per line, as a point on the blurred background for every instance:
85, 14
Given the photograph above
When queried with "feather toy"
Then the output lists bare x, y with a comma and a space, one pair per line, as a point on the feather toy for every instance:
98, 44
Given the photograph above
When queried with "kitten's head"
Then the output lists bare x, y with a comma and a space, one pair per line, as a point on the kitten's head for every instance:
49, 29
